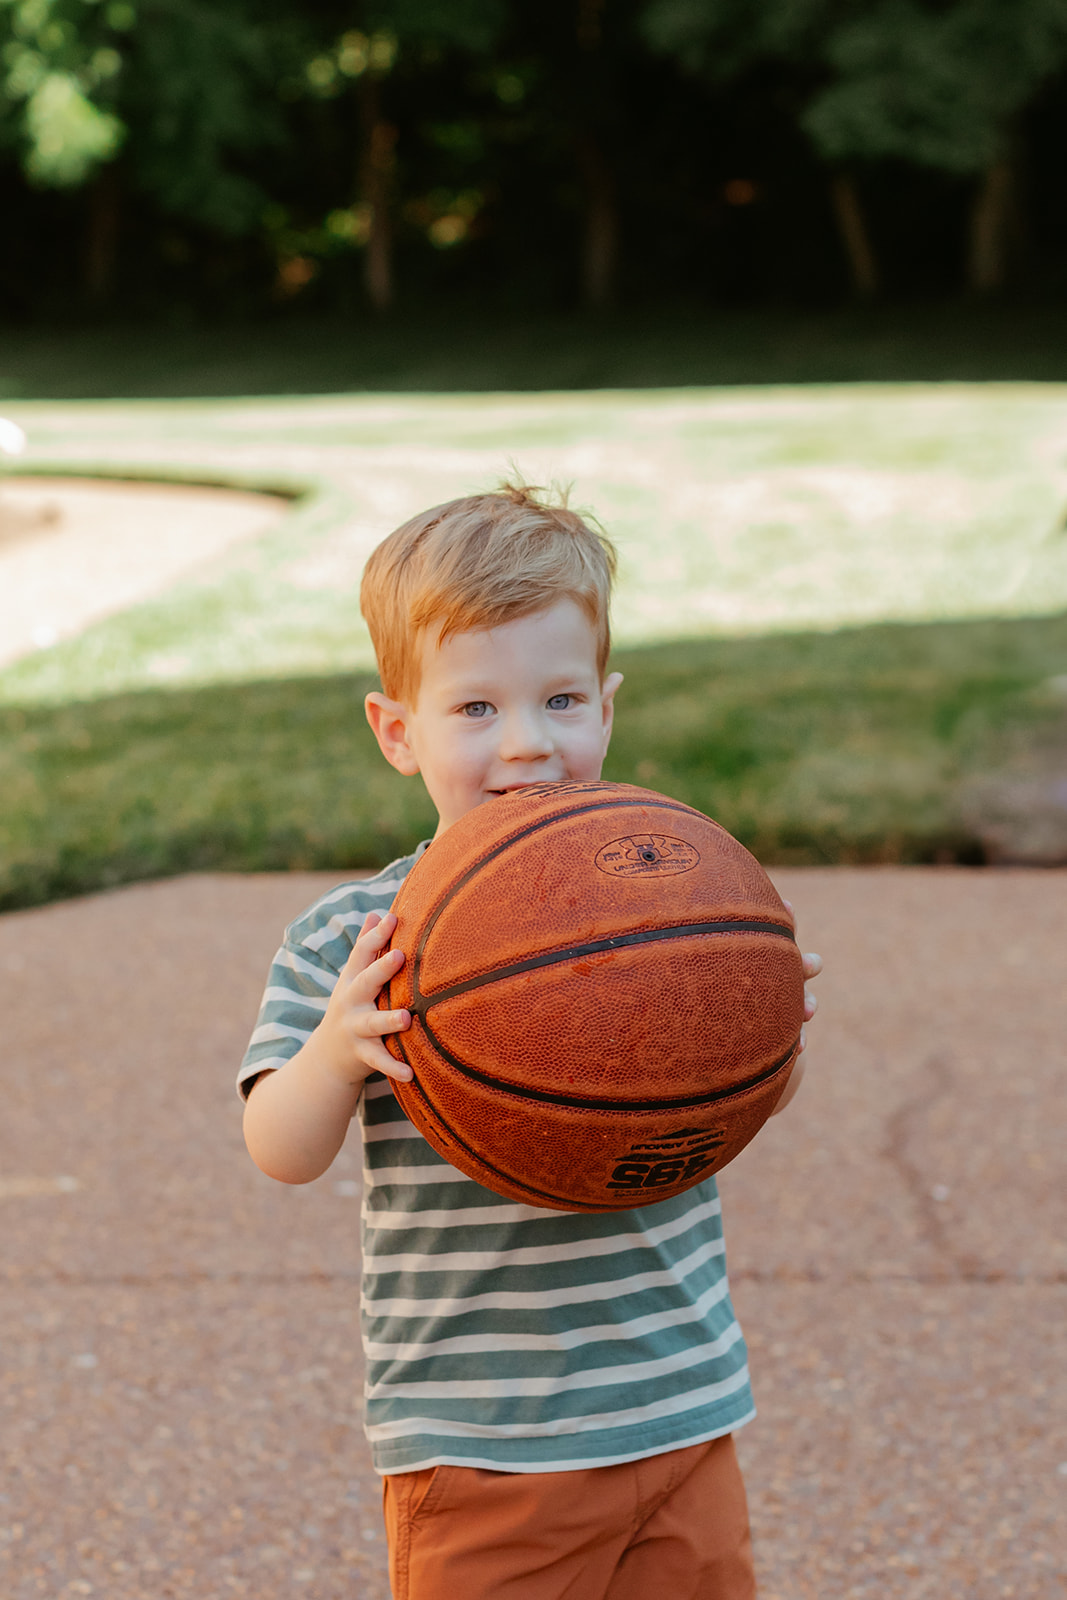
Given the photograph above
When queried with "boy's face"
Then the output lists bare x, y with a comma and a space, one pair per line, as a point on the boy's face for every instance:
500, 709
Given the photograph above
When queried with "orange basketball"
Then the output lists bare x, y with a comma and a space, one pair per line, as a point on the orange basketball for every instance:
605, 991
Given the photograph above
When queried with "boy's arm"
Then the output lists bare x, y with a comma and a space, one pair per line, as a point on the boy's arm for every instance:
297, 1115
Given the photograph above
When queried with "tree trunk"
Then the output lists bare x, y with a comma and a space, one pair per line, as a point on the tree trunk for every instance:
590, 29
102, 236
863, 265
992, 217
600, 247
377, 172
593, 98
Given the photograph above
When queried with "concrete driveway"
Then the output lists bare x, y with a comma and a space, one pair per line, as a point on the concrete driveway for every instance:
179, 1335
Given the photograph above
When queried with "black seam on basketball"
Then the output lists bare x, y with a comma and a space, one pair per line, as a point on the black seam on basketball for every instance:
446, 1132
398, 1042
564, 1202
552, 958
524, 833
598, 1102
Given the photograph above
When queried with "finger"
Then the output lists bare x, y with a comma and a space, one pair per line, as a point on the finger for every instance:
373, 1024
377, 1057
372, 938
375, 935
812, 964
803, 1042
398, 1070
385, 967
367, 982
811, 1005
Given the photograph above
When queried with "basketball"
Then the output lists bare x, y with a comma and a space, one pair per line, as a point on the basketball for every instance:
605, 991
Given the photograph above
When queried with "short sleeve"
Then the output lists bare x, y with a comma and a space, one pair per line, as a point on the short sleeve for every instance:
305, 970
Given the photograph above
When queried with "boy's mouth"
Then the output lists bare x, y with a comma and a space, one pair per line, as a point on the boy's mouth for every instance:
517, 788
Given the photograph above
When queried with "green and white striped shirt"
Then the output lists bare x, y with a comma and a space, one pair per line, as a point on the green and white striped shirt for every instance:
502, 1335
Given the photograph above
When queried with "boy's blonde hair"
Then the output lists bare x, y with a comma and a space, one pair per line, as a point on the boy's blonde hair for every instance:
474, 564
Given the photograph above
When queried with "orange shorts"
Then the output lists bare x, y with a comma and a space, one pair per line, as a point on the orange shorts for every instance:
674, 1524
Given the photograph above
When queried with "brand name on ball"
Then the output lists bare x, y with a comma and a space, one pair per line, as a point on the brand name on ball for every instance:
643, 854
676, 1159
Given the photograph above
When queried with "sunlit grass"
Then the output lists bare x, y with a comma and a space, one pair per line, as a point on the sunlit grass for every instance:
736, 512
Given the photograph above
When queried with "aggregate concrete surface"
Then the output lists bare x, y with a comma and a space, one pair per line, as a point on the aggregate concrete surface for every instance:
179, 1339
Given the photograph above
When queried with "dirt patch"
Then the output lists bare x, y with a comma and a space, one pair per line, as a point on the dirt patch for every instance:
75, 550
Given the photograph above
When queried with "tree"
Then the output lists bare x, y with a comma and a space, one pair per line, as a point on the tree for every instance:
56, 94
722, 41
937, 83
199, 94
164, 97
58, 106
468, 29
944, 87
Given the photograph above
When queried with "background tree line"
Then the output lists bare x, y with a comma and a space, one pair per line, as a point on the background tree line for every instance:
232, 155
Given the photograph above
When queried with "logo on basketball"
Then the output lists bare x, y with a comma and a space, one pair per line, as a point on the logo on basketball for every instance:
681, 1157
645, 854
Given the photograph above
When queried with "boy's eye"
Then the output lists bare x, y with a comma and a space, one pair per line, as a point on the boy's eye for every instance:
559, 702
476, 708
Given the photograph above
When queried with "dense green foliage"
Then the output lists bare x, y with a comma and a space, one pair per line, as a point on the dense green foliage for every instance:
229, 157
863, 745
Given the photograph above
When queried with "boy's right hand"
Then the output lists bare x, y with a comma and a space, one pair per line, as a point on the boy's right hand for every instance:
349, 1037
298, 1114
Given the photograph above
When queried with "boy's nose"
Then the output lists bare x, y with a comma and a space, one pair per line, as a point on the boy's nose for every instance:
525, 738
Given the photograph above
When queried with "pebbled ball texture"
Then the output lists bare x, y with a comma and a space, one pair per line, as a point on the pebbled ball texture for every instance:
605, 991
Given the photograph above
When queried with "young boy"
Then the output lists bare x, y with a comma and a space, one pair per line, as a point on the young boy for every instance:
550, 1396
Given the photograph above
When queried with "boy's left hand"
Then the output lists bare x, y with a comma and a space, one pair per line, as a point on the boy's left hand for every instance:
812, 968
812, 965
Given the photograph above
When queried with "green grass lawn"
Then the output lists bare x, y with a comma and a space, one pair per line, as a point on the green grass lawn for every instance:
840, 615
864, 745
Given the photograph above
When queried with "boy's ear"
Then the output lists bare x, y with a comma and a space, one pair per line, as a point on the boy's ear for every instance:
607, 704
389, 724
